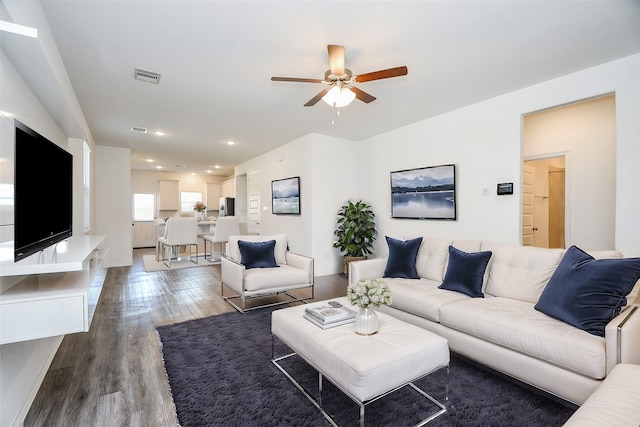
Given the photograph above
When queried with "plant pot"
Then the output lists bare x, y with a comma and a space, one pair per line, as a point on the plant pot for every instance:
349, 259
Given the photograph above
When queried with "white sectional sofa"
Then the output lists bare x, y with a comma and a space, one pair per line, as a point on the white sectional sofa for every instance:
501, 327
614, 403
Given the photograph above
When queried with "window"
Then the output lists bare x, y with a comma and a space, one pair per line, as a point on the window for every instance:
86, 187
144, 206
188, 199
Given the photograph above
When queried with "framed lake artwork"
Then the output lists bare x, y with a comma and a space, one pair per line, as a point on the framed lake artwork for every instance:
424, 193
285, 196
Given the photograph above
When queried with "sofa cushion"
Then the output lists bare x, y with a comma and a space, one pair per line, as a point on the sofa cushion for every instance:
257, 254
401, 262
633, 295
586, 292
257, 279
518, 326
520, 272
421, 297
432, 259
279, 251
465, 272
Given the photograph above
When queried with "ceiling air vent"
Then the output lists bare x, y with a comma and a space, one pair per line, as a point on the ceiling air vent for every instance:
146, 76
138, 130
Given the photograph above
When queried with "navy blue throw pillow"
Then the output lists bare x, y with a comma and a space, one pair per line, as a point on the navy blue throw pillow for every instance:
465, 272
257, 254
586, 292
402, 258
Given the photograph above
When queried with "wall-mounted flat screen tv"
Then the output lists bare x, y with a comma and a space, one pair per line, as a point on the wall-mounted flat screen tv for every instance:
42, 192
285, 196
424, 193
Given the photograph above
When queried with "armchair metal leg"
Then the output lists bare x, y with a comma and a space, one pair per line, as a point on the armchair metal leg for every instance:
291, 299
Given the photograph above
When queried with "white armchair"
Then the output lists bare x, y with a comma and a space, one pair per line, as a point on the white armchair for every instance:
293, 271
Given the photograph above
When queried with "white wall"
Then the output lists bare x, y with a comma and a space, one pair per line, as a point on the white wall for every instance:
327, 168
335, 167
484, 141
113, 204
289, 160
478, 140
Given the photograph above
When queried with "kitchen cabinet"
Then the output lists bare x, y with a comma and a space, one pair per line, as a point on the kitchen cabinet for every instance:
169, 196
228, 188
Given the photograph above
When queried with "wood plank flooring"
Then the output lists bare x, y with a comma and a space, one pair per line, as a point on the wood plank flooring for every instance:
113, 375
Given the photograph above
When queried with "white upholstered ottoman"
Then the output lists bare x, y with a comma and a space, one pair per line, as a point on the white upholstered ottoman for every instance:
365, 368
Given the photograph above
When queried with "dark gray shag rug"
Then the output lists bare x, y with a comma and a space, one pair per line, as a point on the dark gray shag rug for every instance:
220, 373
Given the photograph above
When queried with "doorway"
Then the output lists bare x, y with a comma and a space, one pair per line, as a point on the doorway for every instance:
544, 202
143, 220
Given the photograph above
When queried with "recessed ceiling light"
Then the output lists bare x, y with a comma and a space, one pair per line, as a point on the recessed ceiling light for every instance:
159, 133
158, 167
150, 160
217, 166
231, 142
209, 171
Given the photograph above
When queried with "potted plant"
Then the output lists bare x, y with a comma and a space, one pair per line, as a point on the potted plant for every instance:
356, 232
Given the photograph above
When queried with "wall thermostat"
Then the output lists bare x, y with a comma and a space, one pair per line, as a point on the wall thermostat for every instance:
505, 188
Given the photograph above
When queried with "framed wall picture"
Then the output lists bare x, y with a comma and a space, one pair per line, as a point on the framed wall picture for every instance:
285, 196
424, 193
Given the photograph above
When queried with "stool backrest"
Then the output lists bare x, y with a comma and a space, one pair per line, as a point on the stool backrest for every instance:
182, 231
225, 227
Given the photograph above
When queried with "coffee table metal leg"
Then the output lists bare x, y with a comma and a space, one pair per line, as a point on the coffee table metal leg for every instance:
320, 389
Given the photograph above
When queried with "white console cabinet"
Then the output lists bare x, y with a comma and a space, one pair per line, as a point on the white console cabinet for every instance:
59, 294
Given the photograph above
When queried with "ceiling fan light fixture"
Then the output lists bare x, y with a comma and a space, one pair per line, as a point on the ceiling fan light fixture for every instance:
339, 96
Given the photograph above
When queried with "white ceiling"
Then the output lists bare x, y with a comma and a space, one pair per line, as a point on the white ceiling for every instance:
216, 59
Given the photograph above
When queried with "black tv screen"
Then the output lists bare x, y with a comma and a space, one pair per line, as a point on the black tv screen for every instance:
42, 192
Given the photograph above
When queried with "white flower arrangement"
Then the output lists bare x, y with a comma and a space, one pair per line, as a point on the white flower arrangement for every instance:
369, 293
199, 207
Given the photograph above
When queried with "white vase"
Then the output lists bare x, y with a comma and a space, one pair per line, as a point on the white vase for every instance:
201, 215
366, 322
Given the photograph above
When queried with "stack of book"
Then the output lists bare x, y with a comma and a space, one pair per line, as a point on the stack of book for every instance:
327, 316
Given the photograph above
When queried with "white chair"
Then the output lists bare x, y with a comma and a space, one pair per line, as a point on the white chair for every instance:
294, 271
179, 232
225, 227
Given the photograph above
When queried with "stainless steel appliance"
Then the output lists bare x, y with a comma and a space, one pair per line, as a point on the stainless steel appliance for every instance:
227, 206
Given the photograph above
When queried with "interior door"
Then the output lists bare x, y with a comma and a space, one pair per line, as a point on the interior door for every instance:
253, 197
144, 222
527, 205
543, 211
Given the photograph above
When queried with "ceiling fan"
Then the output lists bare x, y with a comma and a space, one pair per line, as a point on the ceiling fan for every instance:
340, 80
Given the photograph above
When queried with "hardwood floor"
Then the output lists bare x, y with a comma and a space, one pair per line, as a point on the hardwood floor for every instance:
113, 375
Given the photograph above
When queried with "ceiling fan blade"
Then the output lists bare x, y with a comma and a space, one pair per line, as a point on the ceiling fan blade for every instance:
336, 59
295, 79
382, 74
316, 98
362, 95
